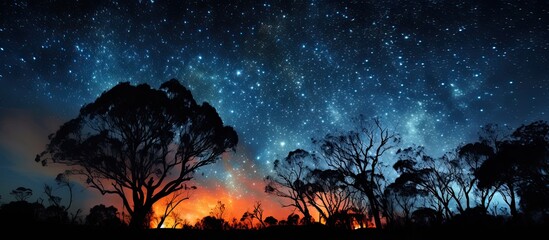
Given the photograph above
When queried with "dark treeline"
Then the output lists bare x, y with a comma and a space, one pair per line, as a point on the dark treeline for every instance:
131, 140
363, 177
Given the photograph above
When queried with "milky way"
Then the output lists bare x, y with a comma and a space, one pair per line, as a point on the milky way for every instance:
282, 73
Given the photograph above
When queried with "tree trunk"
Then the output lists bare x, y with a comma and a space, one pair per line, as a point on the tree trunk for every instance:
139, 219
375, 208
513, 205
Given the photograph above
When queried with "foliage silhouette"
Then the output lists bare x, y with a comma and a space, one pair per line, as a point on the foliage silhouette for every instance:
429, 177
141, 144
271, 221
288, 180
521, 167
21, 193
103, 216
358, 155
328, 194
17, 212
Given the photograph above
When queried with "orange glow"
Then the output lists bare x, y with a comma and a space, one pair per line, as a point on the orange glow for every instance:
202, 201
238, 187
24, 134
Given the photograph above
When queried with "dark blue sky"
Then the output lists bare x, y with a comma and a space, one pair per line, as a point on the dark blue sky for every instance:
280, 72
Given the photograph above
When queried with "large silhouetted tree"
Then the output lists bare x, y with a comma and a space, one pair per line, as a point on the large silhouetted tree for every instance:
534, 167
140, 143
289, 180
521, 167
358, 155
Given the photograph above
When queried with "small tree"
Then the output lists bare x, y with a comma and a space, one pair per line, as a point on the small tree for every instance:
218, 210
258, 213
248, 219
21, 193
101, 215
271, 221
288, 180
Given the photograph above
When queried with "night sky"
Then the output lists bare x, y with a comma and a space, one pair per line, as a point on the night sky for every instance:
280, 73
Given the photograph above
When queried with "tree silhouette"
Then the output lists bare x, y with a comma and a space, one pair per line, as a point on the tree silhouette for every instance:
425, 174
520, 166
141, 144
258, 213
534, 167
248, 219
288, 180
402, 200
21, 193
218, 210
62, 180
211, 223
103, 216
328, 194
17, 212
469, 159
271, 221
292, 219
358, 155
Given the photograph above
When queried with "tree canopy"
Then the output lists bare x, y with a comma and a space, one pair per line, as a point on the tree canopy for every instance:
140, 143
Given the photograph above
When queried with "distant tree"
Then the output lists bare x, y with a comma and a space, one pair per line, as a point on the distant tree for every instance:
140, 143
171, 203
425, 216
425, 174
258, 213
177, 219
211, 223
56, 214
103, 216
236, 224
328, 193
289, 180
402, 200
346, 219
271, 221
292, 219
19, 212
248, 219
62, 179
218, 210
359, 156
493, 135
21, 193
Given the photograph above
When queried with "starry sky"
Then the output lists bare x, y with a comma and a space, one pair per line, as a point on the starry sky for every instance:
279, 72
